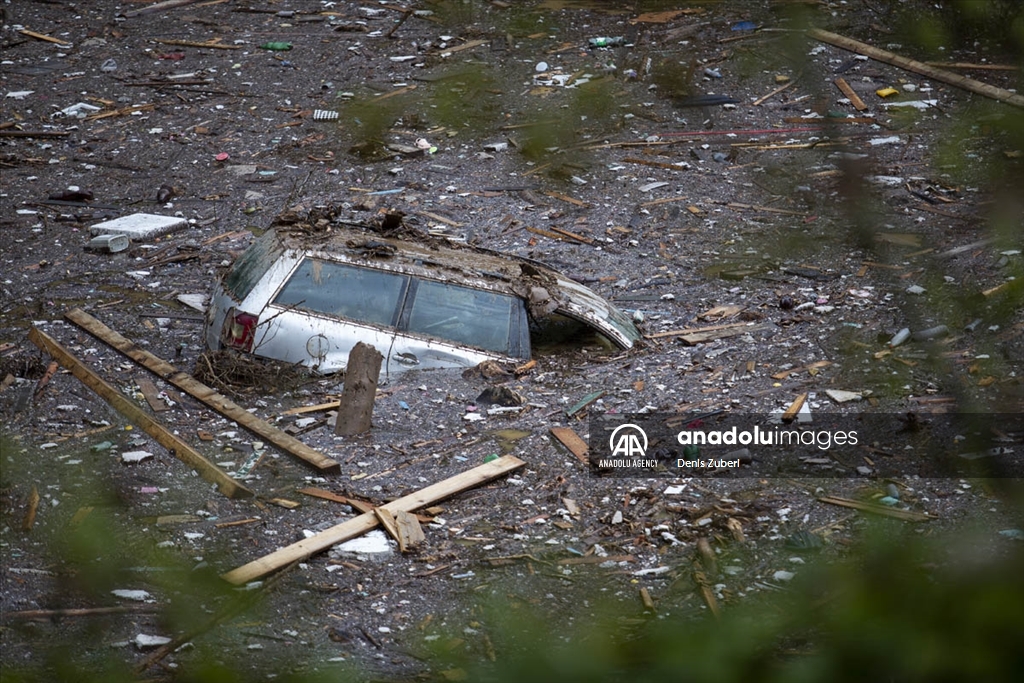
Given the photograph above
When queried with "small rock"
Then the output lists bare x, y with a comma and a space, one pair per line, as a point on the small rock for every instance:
783, 575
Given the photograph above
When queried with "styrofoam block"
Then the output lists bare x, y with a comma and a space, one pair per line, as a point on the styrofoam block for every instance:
140, 225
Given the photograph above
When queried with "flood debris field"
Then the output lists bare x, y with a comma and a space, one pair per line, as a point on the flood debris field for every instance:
780, 238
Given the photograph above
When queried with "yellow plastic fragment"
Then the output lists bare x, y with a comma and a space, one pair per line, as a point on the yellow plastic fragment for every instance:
887, 92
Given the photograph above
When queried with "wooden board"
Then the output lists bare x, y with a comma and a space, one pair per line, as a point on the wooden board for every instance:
746, 328
358, 526
401, 526
222, 404
360, 505
571, 440
181, 450
152, 395
855, 100
905, 515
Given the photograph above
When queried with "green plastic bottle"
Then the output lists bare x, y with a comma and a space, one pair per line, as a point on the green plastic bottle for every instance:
276, 47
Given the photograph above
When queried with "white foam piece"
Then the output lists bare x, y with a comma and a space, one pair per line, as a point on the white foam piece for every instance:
140, 225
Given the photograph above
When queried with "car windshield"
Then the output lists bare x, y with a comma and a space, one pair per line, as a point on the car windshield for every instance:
336, 289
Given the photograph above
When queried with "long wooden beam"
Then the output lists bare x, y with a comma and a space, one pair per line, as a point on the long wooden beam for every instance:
230, 487
942, 75
357, 526
222, 404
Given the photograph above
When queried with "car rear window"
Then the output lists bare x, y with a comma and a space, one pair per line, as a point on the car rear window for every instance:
465, 316
344, 291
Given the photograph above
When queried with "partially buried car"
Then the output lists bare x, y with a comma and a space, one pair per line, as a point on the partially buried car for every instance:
308, 298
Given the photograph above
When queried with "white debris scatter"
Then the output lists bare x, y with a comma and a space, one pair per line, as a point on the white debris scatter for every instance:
135, 456
128, 594
144, 641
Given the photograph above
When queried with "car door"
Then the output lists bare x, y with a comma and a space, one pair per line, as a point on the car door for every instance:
448, 325
326, 307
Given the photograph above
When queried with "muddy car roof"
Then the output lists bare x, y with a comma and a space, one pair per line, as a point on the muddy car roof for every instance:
544, 289
426, 255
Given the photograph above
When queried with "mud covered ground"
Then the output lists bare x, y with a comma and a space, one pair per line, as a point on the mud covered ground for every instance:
827, 236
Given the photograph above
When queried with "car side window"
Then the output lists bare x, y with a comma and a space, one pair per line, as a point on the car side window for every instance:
462, 315
335, 289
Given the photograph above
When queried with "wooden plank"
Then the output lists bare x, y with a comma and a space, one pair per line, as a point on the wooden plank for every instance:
548, 233
905, 515
181, 450
358, 526
578, 238
794, 408
387, 520
565, 198
746, 328
302, 410
692, 330
409, 530
845, 88
159, 7
152, 395
43, 36
30, 513
360, 505
571, 440
948, 77
222, 404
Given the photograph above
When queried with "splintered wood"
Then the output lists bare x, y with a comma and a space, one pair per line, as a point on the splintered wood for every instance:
401, 526
357, 526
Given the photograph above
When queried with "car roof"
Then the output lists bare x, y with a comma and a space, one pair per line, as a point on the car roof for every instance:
427, 256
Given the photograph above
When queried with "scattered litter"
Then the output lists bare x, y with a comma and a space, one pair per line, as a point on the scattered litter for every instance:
324, 115
137, 595
373, 546
109, 244
654, 571
930, 333
136, 456
915, 104
606, 42
144, 641
841, 396
79, 110
900, 337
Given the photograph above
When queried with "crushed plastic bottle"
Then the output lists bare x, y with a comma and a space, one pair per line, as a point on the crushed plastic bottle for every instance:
276, 47
605, 41
108, 66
